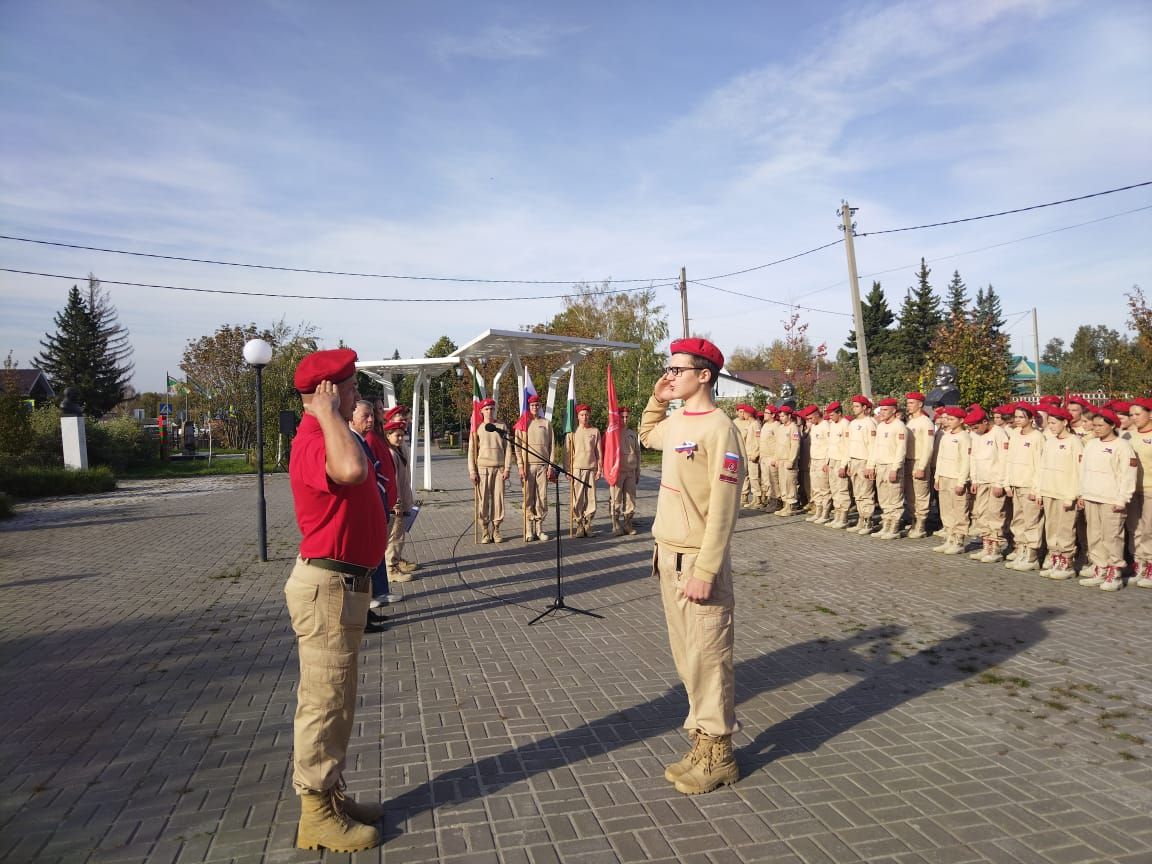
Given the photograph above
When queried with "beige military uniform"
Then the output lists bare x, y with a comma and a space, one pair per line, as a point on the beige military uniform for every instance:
1107, 483
1140, 510
840, 487
987, 471
1058, 487
749, 431
539, 438
918, 458
405, 501
787, 463
886, 459
818, 470
953, 467
769, 482
702, 472
490, 461
583, 449
861, 431
1024, 451
622, 496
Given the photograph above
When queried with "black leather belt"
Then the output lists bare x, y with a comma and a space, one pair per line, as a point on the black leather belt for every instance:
339, 566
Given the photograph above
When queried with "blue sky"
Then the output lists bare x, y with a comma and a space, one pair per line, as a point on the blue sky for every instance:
534, 141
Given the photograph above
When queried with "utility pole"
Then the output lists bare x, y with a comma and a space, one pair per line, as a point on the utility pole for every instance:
1036, 348
857, 312
683, 289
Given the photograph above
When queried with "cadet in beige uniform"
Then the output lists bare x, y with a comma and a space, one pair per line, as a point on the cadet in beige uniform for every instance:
786, 462
839, 485
399, 570
953, 455
1139, 436
819, 431
986, 474
489, 464
538, 438
1107, 483
1025, 448
583, 450
622, 496
769, 479
918, 464
749, 430
886, 465
701, 476
1058, 487
861, 431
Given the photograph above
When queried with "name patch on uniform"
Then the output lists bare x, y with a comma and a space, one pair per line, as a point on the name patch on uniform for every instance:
729, 472
901, 436
1107, 450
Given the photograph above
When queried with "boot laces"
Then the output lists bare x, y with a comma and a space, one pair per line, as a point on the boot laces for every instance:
339, 802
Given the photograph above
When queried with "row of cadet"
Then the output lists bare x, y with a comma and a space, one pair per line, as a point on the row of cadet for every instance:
1062, 487
491, 456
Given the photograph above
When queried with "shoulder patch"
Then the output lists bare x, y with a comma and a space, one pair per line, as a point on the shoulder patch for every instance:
730, 470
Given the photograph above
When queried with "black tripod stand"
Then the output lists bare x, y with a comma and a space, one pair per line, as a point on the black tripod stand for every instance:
558, 604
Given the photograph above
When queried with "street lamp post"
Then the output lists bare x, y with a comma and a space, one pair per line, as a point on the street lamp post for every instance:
257, 354
1111, 364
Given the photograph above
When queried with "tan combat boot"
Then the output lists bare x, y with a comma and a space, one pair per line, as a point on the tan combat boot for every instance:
677, 769
629, 528
323, 826
538, 530
496, 536
361, 811
715, 767
617, 530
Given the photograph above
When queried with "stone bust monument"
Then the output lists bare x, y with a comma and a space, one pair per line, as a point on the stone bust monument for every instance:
945, 392
70, 405
787, 395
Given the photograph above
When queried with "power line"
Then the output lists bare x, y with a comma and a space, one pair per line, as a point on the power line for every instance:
982, 249
104, 281
1008, 212
772, 263
768, 300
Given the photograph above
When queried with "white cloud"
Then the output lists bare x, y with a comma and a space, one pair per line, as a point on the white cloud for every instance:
502, 42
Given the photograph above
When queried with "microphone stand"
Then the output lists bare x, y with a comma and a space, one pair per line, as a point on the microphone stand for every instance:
558, 604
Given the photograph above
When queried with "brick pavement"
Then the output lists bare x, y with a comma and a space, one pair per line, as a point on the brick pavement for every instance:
898, 706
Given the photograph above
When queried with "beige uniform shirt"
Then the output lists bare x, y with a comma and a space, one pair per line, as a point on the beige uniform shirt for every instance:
787, 444
988, 450
920, 441
488, 449
701, 474
861, 431
1025, 447
584, 449
750, 432
818, 440
768, 441
890, 446
838, 443
1141, 443
539, 437
1059, 473
953, 458
629, 453
1108, 471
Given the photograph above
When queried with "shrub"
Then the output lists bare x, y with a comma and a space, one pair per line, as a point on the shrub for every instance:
36, 482
119, 443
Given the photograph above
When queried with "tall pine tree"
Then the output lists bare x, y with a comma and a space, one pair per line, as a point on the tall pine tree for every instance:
957, 297
79, 356
878, 320
988, 312
920, 316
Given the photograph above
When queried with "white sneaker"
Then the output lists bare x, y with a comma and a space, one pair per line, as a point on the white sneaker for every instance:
1097, 578
1113, 579
1145, 580
953, 549
941, 547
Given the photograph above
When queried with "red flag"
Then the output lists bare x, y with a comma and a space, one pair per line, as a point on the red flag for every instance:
611, 457
476, 397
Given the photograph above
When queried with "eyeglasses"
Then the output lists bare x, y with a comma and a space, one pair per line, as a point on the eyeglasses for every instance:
674, 371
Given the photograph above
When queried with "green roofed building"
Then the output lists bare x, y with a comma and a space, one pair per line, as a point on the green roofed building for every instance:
1024, 374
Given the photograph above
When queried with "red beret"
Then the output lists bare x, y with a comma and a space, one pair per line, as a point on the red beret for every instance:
1050, 400
624, 409
919, 397
1004, 410
760, 414
393, 411
833, 406
582, 407
1079, 400
1120, 406
770, 409
862, 400
814, 409
1025, 407
954, 411
785, 409
487, 403
806, 411
1144, 402
1060, 413
394, 425
888, 402
1110, 416
975, 415
938, 410
336, 365
533, 398
699, 348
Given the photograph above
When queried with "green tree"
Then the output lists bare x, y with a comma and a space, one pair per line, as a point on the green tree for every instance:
80, 355
117, 360
987, 311
443, 398
978, 354
920, 316
957, 303
15, 426
878, 320
1054, 353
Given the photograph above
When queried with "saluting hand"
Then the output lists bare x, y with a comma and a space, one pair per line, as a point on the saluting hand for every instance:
325, 402
662, 390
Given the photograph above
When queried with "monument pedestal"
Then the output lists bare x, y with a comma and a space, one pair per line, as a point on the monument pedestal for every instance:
75, 442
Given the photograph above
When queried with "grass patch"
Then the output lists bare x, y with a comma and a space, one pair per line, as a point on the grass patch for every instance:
234, 573
195, 468
1004, 680
824, 610
1134, 739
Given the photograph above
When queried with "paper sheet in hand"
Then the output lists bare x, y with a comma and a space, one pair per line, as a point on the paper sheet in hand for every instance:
410, 519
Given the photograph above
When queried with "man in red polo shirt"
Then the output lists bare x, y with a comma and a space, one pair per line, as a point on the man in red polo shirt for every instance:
344, 530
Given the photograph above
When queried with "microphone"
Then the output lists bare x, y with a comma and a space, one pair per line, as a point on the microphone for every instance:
492, 427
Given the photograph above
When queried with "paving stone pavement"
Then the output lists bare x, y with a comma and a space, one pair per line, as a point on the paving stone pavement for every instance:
898, 706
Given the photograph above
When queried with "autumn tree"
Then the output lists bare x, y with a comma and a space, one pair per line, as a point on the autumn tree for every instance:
978, 353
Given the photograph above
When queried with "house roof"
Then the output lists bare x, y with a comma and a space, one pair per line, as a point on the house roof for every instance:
1029, 367
32, 383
